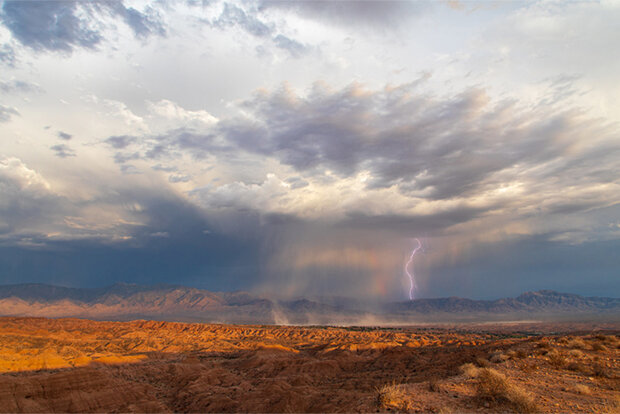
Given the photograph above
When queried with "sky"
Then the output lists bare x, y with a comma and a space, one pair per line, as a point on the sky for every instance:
299, 148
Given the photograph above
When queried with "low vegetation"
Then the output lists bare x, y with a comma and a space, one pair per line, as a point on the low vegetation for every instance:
498, 357
518, 354
577, 367
469, 370
433, 385
607, 338
482, 362
557, 359
600, 371
576, 353
597, 346
393, 396
577, 343
582, 389
495, 387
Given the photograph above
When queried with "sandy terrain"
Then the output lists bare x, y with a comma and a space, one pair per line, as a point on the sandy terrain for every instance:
71, 365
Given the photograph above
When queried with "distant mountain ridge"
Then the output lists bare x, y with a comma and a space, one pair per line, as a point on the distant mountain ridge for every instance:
170, 302
543, 300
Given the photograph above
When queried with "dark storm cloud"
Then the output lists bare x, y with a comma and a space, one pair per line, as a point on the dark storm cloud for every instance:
121, 158
64, 135
436, 148
411, 224
179, 178
25, 199
446, 147
164, 168
50, 25
250, 21
235, 16
120, 141
168, 145
174, 243
374, 13
67, 25
129, 169
213, 261
6, 113
29, 209
295, 48
7, 55
297, 182
62, 151
18, 86
528, 264
143, 25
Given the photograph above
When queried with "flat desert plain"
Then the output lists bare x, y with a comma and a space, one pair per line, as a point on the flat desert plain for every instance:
73, 365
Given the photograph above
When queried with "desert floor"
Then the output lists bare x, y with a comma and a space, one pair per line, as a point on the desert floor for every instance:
73, 365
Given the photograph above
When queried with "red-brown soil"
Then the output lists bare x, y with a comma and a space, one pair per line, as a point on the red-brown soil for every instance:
71, 365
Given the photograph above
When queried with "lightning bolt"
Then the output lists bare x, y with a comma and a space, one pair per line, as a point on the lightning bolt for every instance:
412, 274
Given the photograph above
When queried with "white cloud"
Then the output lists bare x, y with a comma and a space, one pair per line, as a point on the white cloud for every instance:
13, 170
166, 115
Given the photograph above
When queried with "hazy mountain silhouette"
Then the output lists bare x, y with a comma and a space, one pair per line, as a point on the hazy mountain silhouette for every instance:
168, 302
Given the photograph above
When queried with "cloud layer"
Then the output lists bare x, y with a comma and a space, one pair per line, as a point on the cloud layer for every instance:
66, 25
297, 148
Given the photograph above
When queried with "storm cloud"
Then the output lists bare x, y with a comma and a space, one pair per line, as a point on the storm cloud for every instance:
299, 148
7, 112
425, 147
62, 150
380, 14
67, 25
252, 22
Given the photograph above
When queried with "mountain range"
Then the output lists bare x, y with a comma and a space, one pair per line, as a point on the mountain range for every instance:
179, 303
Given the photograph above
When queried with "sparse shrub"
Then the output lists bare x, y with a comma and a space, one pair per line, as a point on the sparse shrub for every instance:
606, 338
582, 389
577, 343
576, 366
576, 353
481, 362
556, 359
611, 405
598, 370
498, 357
544, 347
597, 346
393, 396
433, 385
495, 387
469, 370
530, 367
491, 384
444, 410
520, 353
